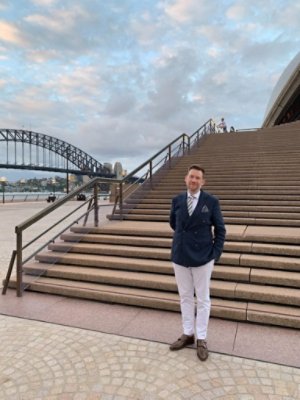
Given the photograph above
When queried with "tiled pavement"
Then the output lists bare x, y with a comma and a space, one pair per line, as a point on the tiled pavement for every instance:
47, 361
87, 350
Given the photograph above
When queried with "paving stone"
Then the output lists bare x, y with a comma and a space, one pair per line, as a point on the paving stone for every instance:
79, 364
42, 361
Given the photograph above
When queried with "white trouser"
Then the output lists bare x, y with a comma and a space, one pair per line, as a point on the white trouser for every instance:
190, 280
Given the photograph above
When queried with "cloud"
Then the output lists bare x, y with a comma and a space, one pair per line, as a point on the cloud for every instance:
10, 33
122, 79
237, 11
58, 20
184, 11
44, 3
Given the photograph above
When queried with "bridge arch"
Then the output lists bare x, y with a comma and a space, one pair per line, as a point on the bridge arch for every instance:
84, 163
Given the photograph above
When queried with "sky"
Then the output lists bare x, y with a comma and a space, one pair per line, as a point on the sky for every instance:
121, 78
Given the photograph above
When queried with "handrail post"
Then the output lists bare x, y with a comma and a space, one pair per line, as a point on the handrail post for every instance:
19, 263
96, 206
169, 155
150, 172
8, 275
121, 199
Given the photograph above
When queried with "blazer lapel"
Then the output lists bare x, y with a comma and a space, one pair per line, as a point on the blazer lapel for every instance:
201, 202
185, 207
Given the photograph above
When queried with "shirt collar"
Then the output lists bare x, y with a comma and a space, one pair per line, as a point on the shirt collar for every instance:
196, 195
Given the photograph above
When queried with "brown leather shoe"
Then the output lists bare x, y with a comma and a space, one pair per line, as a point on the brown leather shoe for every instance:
182, 342
202, 351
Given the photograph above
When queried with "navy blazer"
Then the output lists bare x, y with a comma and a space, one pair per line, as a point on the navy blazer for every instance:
198, 238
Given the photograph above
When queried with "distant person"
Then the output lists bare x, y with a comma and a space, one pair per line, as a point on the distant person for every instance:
199, 234
222, 125
51, 198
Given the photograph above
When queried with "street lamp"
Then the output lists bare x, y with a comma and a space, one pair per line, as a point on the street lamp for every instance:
3, 181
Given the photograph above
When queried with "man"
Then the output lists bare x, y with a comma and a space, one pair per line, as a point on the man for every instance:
195, 248
223, 125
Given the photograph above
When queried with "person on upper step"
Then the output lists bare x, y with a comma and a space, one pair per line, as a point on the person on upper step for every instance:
222, 125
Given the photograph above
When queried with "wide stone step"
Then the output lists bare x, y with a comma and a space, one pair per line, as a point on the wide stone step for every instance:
262, 221
228, 207
107, 276
264, 255
117, 239
235, 196
224, 173
226, 213
142, 217
275, 278
268, 208
262, 248
230, 245
106, 261
128, 228
239, 202
242, 184
228, 220
236, 269
269, 294
271, 203
218, 191
273, 314
166, 242
108, 249
252, 178
123, 295
136, 252
256, 234
276, 314
134, 278
270, 262
145, 211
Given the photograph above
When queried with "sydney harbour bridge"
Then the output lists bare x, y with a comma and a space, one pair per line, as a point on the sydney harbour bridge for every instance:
27, 150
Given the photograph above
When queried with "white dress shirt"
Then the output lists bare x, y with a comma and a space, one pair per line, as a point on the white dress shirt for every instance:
195, 198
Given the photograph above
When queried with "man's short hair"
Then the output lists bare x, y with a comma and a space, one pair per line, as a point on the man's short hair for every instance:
197, 167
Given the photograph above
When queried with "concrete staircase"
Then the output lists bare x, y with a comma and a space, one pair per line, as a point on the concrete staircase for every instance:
256, 177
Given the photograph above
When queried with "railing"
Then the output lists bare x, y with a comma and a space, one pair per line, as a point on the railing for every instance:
92, 205
163, 159
30, 196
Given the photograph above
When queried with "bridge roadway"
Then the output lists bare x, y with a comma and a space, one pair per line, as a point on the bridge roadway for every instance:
57, 348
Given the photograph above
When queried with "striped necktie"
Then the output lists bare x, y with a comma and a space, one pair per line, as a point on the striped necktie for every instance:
190, 204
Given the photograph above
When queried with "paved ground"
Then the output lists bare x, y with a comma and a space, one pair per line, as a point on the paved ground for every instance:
42, 360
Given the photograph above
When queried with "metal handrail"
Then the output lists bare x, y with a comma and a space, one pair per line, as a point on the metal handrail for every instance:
151, 168
19, 229
186, 142
183, 143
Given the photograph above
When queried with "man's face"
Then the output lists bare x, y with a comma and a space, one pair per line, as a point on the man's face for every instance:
194, 180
